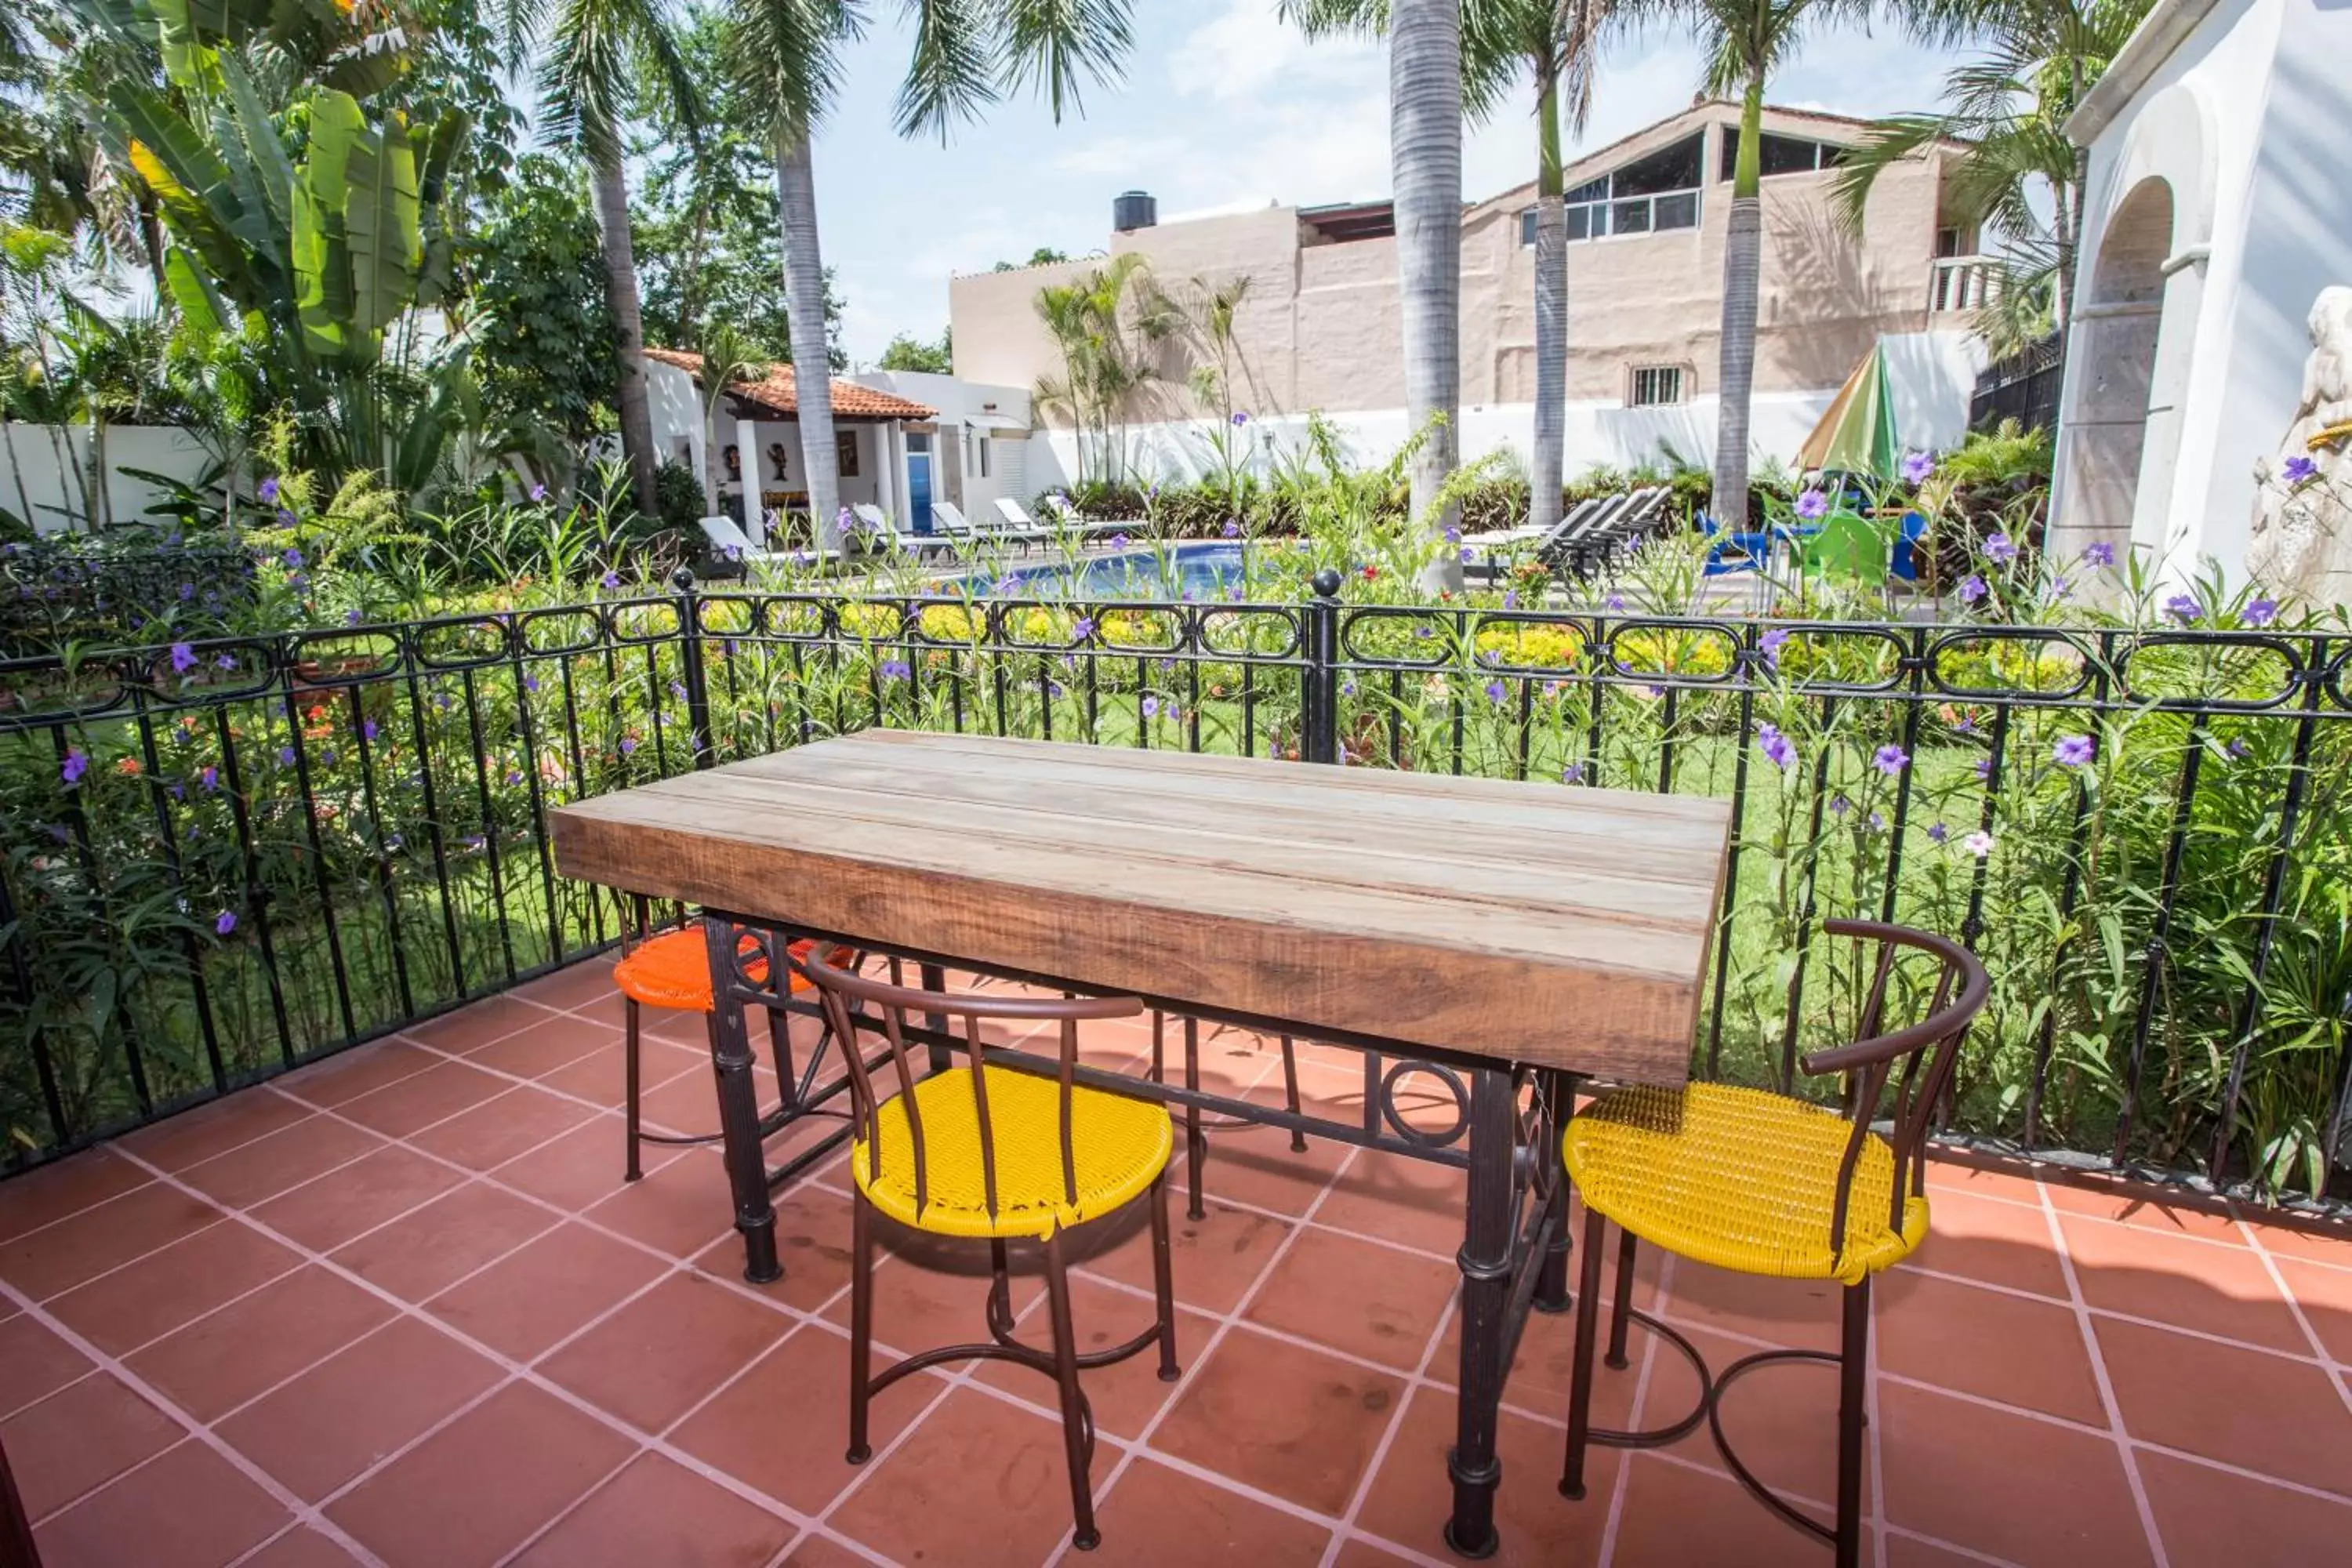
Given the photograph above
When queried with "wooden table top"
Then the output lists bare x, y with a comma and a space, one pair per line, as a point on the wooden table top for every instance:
1562, 927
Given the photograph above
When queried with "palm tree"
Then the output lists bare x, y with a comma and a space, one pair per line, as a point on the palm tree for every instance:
1425, 160
1554, 42
1109, 324
588, 80
2008, 110
1746, 41
727, 363
787, 54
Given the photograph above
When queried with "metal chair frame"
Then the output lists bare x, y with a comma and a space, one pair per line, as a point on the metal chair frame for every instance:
836, 990
1867, 1064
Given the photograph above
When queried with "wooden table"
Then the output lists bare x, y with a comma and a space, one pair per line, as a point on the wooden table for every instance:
1500, 935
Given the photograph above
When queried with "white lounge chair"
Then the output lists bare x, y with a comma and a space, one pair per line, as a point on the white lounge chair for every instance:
726, 538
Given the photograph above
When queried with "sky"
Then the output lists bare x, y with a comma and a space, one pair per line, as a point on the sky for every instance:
1224, 107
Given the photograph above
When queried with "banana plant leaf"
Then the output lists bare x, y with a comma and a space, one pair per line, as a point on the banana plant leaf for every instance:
320, 248
380, 219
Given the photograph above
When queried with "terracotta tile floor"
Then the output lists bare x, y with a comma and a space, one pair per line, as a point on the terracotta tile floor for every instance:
398, 1308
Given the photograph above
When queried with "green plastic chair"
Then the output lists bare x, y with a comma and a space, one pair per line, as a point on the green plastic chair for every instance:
1847, 546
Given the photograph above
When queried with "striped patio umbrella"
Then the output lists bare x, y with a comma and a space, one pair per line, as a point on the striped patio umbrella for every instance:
1857, 434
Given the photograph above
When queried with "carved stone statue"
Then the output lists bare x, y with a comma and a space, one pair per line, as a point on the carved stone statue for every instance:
2301, 537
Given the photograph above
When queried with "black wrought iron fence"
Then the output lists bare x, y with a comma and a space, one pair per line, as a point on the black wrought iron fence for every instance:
222, 858
77, 588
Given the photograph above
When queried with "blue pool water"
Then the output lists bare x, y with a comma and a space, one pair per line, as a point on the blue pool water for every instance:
1202, 571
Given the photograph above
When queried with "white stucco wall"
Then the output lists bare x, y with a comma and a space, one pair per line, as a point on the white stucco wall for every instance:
39, 471
2240, 108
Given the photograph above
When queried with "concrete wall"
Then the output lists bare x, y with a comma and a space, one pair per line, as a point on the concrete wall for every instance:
2234, 110
39, 471
1319, 328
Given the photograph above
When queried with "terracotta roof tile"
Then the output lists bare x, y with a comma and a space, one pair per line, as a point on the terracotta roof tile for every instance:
777, 392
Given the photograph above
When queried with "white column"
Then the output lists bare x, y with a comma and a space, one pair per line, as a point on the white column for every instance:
747, 452
886, 478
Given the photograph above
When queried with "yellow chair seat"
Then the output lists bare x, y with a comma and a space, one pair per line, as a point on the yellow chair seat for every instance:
1119, 1147
1739, 1178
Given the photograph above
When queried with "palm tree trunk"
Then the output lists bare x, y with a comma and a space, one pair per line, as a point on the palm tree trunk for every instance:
1743, 255
621, 287
1544, 499
17, 472
1425, 154
812, 369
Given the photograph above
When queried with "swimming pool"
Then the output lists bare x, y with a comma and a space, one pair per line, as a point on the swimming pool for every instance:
1206, 570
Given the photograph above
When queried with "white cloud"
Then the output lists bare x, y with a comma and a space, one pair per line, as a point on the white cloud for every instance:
1249, 52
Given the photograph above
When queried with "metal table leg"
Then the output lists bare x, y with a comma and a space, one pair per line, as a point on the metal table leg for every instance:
739, 1108
1485, 1263
1559, 1092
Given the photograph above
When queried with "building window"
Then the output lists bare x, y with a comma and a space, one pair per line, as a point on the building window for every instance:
1526, 226
1655, 386
919, 443
845, 453
1649, 196
1781, 154
984, 457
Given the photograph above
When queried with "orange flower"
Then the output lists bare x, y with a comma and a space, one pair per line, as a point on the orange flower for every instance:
127, 767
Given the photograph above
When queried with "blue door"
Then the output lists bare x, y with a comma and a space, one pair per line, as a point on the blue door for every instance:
919, 481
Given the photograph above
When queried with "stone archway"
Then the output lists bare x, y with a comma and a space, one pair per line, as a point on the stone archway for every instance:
2118, 329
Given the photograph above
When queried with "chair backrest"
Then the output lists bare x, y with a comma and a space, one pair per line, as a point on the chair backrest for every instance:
1928, 1051
866, 512
838, 988
1578, 516
949, 519
1010, 510
726, 536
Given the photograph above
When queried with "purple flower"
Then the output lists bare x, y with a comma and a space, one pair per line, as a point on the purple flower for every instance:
285, 519
1771, 644
1973, 588
77, 763
1573, 774
2000, 549
514, 776
539, 492
628, 745
1495, 692
293, 558
1614, 603
2183, 607
2301, 470
1468, 555
1839, 806
1151, 707
1917, 467
1938, 832
1778, 749
367, 730
1877, 822
183, 657
530, 683
209, 778
1118, 542
2059, 588
1890, 760
1240, 419
2101, 553
351, 617
2260, 613
224, 922
610, 580
1984, 768
1813, 505
187, 592
1510, 598
2072, 751
1978, 844
1083, 628
896, 670
225, 661
1232, 529
285, 756
2237, 748
267, 490
1233, 592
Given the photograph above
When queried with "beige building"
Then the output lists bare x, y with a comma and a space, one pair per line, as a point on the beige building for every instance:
1319, 329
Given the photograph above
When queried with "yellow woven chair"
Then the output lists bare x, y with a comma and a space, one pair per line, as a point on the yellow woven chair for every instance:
996, 1153
1757, 1182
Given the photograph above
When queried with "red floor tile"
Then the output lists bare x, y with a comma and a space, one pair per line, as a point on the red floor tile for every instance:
783, 1428
2135, 1206
812, 1243
221, 1360
46, 1196
979, 1481
180, 1141
1158, 1516
1676, 1517
282, 1161
1412, 1496
2193, 1284
324, 1215
550, 1042
347, 1075
472, 1026
500, 1129
1216, 1259
33, 1364
1411, 1202
933, 1291
587, 983
578, 1168
2013, 1486
1356, 1296
80, 1438
2265, 1412
429, 1250
482, 1485
106, 1236
2325, 1296
424, 1100
658, 1511
662, 1353
1124, 1395
1990, 1239
544, 1290
358, 1407
1293, 1422
150, 1298
190, 1508
303, 1547
2206, 1515
680, 1209
2015, 1349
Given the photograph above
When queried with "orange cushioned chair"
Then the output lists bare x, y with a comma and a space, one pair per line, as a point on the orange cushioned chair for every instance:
672, 970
